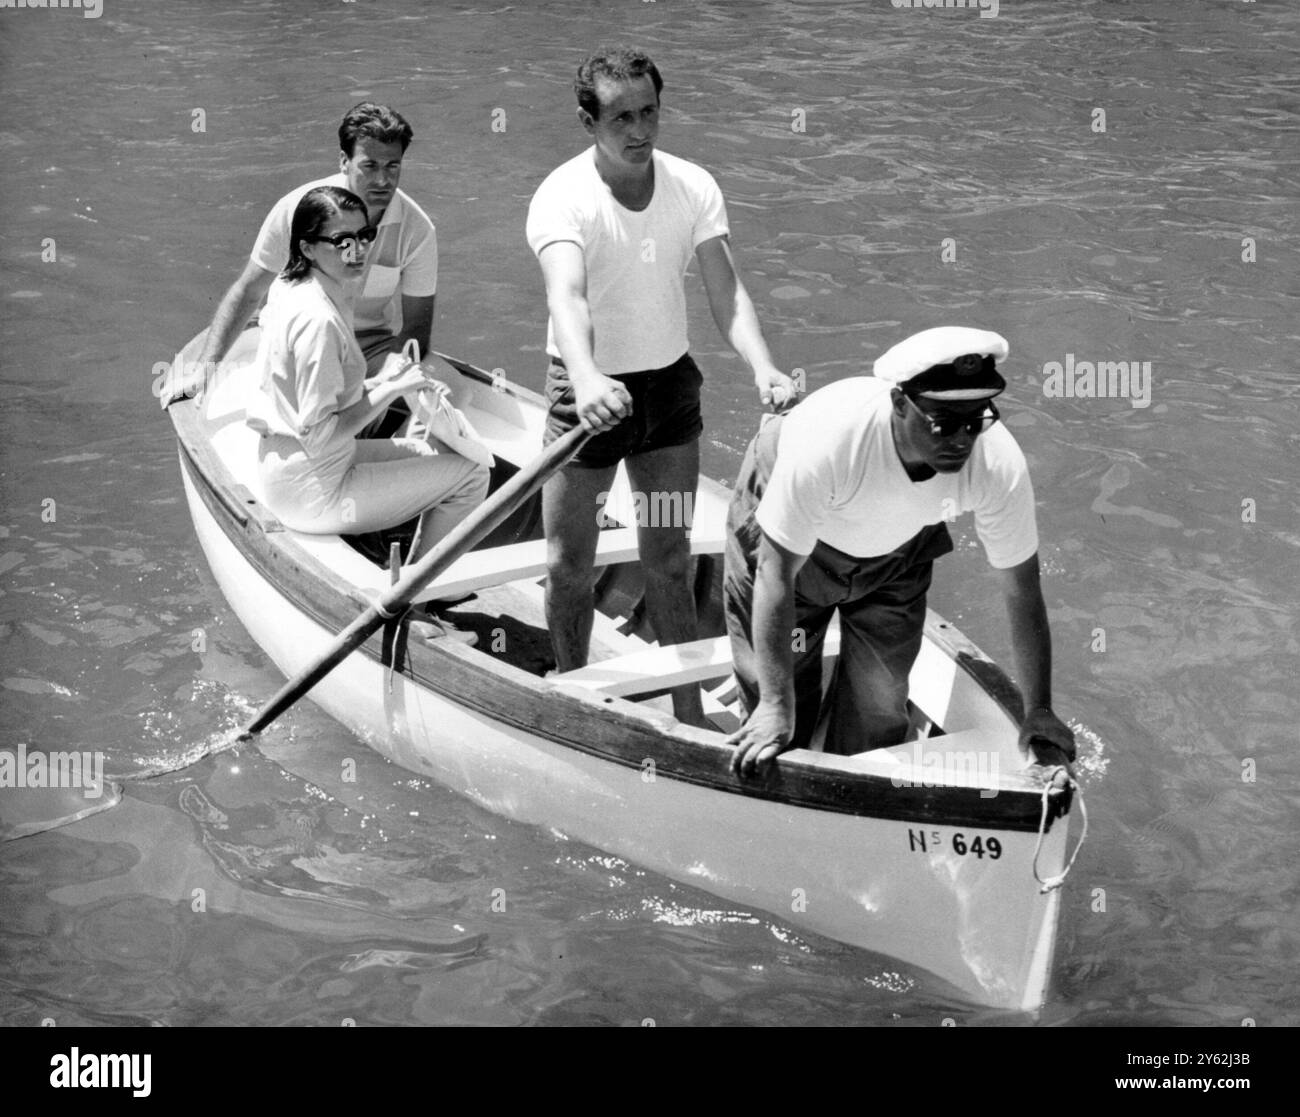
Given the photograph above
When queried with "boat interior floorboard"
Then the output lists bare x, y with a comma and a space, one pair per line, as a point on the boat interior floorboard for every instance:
510, 622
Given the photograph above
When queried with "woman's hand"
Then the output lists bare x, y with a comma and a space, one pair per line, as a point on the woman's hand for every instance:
437, 387
396, 377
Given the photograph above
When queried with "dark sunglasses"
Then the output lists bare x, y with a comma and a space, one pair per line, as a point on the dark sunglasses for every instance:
949, 425
350, 240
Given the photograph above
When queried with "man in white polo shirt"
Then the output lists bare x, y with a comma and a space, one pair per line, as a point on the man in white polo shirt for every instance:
842, 504
614, 230
398, 287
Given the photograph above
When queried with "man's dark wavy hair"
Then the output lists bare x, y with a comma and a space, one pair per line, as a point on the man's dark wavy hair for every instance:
612, 64
374, 122
311, 215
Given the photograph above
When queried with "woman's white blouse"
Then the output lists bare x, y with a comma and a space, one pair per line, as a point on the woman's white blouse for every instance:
311, 365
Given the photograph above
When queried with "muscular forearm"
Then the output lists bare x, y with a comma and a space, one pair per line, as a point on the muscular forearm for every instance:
575, 336
738, 323
233, 313
1045, 738
1031, 638
732, 308
417, 323
773, 651
769, 729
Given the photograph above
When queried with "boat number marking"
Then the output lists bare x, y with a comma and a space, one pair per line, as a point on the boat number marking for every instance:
920, 841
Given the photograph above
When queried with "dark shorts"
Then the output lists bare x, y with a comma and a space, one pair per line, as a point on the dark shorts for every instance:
665, 412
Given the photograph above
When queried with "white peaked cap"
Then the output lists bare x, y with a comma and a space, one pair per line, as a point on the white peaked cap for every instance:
942, 346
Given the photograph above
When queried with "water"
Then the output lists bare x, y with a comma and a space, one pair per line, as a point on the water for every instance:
261, 887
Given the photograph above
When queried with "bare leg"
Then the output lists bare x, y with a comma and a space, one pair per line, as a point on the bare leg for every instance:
666, 481
571, 518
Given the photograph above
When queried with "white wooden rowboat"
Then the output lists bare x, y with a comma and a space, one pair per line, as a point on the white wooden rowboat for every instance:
923, 852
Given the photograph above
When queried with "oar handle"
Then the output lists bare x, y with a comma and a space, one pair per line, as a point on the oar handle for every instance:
398, 598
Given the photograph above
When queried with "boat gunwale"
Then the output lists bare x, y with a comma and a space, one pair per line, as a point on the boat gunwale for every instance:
624, 732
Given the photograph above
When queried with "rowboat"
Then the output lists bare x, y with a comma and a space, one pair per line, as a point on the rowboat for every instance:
928, 852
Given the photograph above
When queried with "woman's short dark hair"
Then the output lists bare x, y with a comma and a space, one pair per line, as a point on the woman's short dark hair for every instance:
375, 122
310, 217
612, 64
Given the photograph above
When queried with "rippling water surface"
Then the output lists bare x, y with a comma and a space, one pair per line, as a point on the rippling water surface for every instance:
885, 170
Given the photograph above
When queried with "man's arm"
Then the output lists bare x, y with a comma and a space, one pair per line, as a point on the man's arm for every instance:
233, 312
235, 309
733, 311
601, 401
1042, 733
771, 725
417, 322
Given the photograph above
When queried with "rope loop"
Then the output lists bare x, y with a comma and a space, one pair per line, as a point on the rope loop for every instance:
1072, 789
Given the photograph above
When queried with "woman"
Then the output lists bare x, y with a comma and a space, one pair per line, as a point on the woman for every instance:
316, 475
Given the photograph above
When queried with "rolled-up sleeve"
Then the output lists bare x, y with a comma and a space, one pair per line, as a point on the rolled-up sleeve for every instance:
318, 349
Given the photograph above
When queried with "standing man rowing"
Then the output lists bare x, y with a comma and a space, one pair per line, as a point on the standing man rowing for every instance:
399, 284
614, 230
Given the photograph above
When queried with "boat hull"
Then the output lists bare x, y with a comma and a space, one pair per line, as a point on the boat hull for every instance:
911, 888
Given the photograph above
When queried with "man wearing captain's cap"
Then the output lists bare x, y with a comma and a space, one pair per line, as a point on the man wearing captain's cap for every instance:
842, 504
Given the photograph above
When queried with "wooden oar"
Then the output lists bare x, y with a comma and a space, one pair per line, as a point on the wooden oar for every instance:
399, 596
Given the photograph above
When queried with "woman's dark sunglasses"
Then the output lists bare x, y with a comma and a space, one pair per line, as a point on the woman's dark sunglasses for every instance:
949, 425
350, 240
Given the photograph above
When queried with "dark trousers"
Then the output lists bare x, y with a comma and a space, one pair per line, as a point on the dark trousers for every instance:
881, 602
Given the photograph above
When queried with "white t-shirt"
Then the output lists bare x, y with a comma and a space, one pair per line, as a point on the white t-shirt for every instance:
636, 262
310, 364
403, 260
838, 479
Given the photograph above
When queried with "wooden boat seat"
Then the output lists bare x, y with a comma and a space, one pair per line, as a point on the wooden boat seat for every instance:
517, 561
480, 569
659, 668
935, 684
